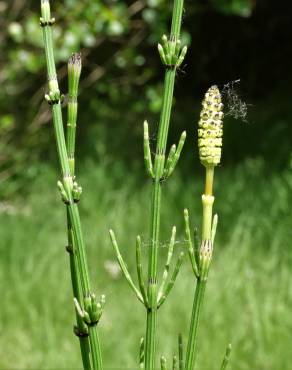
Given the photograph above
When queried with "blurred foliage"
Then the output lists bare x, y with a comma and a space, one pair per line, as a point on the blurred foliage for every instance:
122, 75
249, 294
242, 8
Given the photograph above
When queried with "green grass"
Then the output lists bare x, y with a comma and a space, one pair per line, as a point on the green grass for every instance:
249, 293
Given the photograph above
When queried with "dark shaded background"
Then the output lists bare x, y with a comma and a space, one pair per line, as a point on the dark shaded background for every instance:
122, 78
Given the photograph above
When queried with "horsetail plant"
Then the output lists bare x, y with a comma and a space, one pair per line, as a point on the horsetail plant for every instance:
172, 55
159, 168
88, 309
210, 143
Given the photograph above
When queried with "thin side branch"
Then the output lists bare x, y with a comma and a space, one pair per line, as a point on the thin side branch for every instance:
169, 161
171, 282
191, 251
167, 264
176, 154
147, 151
140, 271
124, 267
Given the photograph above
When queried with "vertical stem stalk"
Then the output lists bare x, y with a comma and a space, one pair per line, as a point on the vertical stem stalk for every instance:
209, 180
72, 207
192, 342
74, 70
207, 202
169, 80
75, 280
95, 345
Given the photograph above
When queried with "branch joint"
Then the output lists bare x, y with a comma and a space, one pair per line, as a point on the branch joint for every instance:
47, 23
171, 52
69, 249
92, 311
54, 97
80, 333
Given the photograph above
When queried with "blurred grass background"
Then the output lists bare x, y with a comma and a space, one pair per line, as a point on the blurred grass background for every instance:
249, 292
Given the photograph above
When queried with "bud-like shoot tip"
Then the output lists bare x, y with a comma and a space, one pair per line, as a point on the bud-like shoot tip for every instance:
74, 72
210, 128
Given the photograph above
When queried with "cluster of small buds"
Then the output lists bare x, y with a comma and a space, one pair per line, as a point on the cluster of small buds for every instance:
210, 130
75, 189
92, 309
44, 23
174, 155
63, 193
205, 257
54, 97
76, 192
171, 53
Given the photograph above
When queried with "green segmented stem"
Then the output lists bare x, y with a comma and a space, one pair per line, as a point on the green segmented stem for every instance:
192, 342
74, 71
60, 139
72, 208
71, 133
75, 278
95, 346
63, 157
156, 194
177, 18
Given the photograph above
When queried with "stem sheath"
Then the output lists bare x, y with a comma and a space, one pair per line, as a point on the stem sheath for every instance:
207, 202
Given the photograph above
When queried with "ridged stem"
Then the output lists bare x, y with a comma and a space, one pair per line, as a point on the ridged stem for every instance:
75, 280
95, 346
207, 203
150, 340
192, 342
71, 133
74, 71
72, 207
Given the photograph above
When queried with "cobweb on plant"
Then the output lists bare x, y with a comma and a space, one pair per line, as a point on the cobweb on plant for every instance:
234, 105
